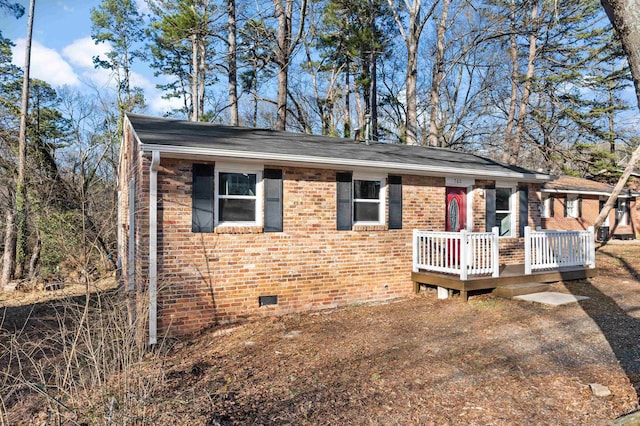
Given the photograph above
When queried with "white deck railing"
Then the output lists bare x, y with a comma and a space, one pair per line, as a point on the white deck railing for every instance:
462, 253
477, 253
547, 249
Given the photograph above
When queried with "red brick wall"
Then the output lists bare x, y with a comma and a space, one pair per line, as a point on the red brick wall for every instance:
212, 278
208, 278
590, 211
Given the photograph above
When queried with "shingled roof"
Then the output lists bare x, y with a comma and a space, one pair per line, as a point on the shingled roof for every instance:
576, 185
185, 138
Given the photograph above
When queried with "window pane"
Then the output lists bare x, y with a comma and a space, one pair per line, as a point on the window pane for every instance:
504, 222
366, 212
366, 189
230, 210
502, 198
237, 184
571, 208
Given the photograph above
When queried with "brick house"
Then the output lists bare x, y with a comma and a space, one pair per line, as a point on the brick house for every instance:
218, 224
574, 203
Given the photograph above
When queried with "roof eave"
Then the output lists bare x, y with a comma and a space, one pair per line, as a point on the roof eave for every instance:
312, 161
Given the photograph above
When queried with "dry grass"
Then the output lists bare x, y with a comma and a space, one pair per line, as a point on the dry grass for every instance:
415, 361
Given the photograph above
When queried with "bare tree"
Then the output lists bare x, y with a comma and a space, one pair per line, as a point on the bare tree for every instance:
438, 75
233, 59
19, 237
624, 17
411, 36
286, 43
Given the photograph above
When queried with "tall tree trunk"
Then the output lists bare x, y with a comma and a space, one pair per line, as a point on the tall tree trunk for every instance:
195, 67
513, 100
233, 84
8, 261
202, 74
625, 18
347, 107
373, 92
21, 186
255, 95
438, 76
282, 58
526, 90
411, 80
35, 258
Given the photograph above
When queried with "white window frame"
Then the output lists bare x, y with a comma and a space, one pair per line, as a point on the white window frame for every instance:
624, 219
545, 211
572, 206
513, 204
606, 219
381, 199
245, 169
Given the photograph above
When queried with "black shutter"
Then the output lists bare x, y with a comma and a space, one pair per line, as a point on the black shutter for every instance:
579, 207
566, 207
202, 198
395, 202
523, 197
628, 208
272, 200
490, 207
552, 203
345, 202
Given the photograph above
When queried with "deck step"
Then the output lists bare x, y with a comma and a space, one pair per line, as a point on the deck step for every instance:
512, 290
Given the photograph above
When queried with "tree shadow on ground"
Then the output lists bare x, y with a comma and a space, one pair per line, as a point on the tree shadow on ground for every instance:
619, 327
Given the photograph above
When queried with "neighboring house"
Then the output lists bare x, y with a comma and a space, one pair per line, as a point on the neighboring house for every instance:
574, 203
218, 224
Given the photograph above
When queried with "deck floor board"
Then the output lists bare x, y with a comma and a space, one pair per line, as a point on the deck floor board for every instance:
509, 275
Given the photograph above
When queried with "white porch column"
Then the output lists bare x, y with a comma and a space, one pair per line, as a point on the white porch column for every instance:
527, 250
495, 256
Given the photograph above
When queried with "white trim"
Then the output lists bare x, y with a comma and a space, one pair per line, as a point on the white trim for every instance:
513, 205
338, 163
153, 248
131, 252
238, 167
459, 182
606, 194
572, 199
470, 197
382, 217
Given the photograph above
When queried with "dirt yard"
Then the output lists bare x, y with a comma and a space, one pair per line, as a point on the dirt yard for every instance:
417, 361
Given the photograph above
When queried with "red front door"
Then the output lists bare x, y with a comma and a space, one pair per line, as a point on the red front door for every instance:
456, 216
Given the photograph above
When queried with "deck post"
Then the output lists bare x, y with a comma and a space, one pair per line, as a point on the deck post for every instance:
592, 247
416, 249
463, 254
527, 250
495, 255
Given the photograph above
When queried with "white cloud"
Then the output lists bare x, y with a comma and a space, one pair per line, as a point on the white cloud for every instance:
81, 52
143, 7
46, 64
65, 7
158, 105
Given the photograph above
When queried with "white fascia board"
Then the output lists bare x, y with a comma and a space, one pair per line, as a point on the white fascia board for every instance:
603, 193
573, 191
336, 163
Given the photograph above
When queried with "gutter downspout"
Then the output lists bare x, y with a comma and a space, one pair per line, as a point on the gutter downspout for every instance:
153, 247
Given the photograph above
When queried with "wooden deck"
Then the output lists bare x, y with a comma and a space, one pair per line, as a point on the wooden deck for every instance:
509, 274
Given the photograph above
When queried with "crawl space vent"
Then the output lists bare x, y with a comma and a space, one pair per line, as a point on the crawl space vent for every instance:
267, 300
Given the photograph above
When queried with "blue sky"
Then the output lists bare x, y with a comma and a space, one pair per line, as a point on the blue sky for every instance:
62, 49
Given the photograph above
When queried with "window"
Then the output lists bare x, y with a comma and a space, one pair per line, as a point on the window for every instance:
622, 209
504, 211
572, 206
367, 201
238, 197
547, 206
